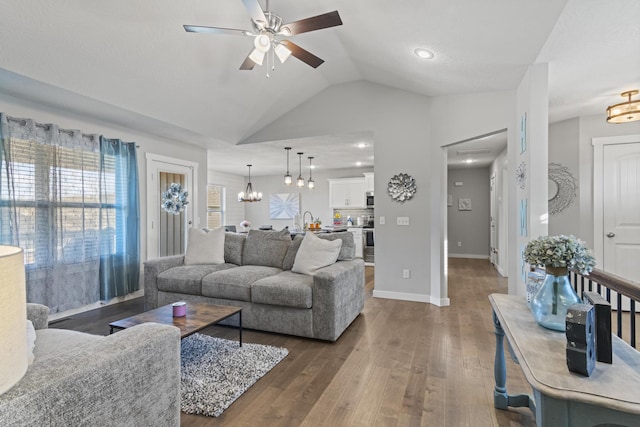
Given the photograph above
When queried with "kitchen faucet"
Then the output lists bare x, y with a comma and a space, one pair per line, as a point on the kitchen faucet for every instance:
305, 225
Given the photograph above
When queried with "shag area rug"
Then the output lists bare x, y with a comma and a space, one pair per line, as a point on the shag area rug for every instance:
215, 371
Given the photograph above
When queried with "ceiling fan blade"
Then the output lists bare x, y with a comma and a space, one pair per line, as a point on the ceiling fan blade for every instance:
254, 9
326, 20
248, 64
302, 54
216, 30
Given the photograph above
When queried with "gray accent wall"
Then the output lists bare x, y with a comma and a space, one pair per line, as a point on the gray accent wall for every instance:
469, 228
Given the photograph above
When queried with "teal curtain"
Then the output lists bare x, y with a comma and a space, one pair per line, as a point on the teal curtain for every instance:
119, 218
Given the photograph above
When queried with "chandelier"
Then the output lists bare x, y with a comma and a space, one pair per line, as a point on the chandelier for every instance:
624, 112
249, 195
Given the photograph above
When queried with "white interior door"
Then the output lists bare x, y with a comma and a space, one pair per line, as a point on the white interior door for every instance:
493, 251
621, 210
166, 234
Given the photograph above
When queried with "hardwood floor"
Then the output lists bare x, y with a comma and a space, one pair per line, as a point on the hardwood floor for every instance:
399, 364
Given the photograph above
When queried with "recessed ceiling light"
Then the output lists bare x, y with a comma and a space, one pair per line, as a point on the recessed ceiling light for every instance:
358, 163
468, 161
423, 53
361, 144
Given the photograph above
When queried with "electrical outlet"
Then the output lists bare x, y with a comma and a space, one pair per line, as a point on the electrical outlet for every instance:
402, 220
459, 244
382, 220
406, 274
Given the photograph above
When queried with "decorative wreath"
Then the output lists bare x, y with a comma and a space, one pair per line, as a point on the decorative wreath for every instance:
174, 199
567, 188
401, 187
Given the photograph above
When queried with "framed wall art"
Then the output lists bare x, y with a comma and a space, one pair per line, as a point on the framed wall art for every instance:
284, 205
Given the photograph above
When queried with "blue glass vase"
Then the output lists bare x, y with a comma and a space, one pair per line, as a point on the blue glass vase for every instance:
549, 305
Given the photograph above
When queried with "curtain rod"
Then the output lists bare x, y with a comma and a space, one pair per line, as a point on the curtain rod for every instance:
47, 126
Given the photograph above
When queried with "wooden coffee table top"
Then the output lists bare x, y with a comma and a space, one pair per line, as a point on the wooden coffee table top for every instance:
199, 316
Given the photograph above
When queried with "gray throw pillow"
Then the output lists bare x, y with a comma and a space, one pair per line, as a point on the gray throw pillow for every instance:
348, 249
233, 247
290, 257
266, 248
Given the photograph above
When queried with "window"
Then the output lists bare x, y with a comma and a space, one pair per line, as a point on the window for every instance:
215, 206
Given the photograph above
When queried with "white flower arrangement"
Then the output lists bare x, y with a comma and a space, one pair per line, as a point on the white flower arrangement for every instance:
560, 251
245, 224
174, 199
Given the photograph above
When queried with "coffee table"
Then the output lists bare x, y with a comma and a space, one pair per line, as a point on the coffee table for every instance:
199, 316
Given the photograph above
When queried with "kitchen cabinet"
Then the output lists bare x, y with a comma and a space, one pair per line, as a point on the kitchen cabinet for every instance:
368, 182
357, 236
347, 193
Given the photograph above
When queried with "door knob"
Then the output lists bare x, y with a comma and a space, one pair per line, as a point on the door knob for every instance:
610, 234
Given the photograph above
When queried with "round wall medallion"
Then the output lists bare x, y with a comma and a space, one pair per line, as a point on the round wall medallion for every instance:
562, 188
401, 187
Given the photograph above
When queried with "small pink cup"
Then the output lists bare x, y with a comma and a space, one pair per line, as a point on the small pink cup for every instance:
179, 309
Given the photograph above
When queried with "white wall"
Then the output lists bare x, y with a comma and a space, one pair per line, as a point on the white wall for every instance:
147, 144
564, 149
469, 228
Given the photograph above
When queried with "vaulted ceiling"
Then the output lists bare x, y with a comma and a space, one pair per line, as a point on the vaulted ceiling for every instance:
132, 63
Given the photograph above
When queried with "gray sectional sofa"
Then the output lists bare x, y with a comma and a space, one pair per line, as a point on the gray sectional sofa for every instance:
131, 378
257, 277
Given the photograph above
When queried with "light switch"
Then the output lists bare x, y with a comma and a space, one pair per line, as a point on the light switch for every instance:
382, 220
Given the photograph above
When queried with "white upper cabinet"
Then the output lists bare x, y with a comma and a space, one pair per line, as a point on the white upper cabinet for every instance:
347, 193
368, 182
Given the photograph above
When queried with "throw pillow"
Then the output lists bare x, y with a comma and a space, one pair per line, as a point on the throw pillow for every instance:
315, 253
205, 246
31, 340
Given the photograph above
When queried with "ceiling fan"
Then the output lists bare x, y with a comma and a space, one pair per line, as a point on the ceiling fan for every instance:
270, 34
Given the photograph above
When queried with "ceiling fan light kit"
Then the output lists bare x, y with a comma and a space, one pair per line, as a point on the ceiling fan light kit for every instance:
624, 112
268, 31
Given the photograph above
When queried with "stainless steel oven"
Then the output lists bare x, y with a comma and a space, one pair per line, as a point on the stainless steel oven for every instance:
368, 243
370, 203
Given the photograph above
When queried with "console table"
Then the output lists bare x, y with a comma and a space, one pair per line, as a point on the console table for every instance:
611, 395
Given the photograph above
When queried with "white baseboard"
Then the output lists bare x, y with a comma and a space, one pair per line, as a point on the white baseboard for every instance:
500, 271
472, 256
93, 306
404, 296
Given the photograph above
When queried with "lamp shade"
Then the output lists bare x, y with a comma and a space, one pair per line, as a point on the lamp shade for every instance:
13, 317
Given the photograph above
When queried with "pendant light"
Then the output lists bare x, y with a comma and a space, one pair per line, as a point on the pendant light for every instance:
624, 112
288, 180
300, 180
249, 195
311, 182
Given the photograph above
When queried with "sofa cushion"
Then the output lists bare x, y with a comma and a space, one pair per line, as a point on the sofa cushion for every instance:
290, 257
348, 249
235, 283
266, 248
187, 279
50, 342
315, 253
205, 246
233, 246
287, 289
